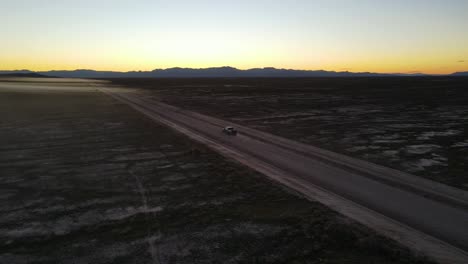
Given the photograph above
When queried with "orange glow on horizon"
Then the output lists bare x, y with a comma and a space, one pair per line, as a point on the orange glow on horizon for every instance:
391, 67
357, 36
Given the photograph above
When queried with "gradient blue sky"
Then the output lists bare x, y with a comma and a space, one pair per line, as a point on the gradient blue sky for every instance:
357, 35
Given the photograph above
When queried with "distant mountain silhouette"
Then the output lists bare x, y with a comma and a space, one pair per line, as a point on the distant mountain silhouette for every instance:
16, 71
24, 74
216, 72
460, 74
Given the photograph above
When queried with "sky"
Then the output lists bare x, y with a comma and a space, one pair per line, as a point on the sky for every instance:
403, 36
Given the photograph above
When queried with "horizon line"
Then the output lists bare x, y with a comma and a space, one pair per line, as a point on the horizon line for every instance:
235, 68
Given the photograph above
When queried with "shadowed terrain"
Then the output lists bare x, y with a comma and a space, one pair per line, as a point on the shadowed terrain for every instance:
414, 124
86, 179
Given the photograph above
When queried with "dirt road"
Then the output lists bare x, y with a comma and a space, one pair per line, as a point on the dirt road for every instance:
429, 217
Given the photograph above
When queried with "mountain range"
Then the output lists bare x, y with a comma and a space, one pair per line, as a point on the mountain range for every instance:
215, 72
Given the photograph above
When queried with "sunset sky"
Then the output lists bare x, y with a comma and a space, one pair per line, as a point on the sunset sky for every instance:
404, 36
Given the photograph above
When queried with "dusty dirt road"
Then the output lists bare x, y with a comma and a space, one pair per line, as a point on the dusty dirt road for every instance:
429, 217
